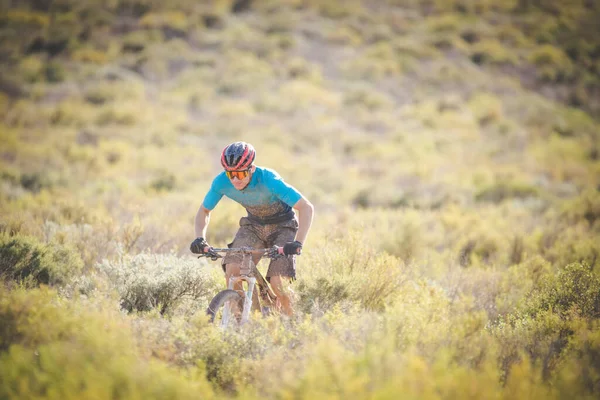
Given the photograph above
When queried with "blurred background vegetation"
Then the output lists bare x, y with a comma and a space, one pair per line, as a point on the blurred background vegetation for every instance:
451, 148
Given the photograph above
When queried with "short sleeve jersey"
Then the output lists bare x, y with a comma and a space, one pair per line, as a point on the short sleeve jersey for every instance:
267, 196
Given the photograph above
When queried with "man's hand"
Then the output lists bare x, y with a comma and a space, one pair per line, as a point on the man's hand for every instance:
292, 248
199, 246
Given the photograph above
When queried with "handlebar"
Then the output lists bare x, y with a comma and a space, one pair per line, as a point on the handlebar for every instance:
213, 253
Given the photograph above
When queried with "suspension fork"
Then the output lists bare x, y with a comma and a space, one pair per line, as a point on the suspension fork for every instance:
247, 275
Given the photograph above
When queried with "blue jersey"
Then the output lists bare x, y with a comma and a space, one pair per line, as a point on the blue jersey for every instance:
267, 198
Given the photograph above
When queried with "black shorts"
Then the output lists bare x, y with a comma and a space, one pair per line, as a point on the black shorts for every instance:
257, 236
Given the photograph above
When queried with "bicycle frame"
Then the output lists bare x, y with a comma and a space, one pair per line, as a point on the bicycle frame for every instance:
249, 274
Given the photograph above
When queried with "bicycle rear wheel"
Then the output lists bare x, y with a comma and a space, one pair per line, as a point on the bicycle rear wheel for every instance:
225, 308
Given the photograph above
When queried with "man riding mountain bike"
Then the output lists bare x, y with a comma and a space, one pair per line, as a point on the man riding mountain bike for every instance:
271, 220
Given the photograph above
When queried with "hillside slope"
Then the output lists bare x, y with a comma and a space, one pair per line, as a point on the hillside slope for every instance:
451, 150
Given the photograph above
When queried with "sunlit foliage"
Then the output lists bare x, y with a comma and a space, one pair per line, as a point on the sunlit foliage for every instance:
451, 150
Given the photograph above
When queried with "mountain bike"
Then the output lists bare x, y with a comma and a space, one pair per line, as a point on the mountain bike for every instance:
231, 307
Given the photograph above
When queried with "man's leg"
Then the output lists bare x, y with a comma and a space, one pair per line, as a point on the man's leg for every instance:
282, 271
280, 285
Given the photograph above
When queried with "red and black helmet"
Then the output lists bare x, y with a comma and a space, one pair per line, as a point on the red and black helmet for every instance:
238, 156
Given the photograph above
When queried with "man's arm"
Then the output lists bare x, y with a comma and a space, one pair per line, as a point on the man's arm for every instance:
306, 211
201, 222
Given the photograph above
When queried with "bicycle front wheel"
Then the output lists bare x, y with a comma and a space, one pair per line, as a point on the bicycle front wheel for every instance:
225, 308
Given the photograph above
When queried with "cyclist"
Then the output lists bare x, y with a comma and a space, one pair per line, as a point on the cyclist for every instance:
271, 220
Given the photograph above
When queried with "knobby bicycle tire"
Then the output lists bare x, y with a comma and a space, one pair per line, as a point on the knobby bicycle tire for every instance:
219, 301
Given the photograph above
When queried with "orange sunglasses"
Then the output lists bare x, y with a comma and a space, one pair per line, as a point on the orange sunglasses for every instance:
238, 174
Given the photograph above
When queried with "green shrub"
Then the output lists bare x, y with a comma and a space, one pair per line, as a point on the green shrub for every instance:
559, 308
36, 181
408, 48
576, 123
20, 29
490, 51
505, 190
145, 282
70, 113
321, 294
487, 108
484, 248
513, 36
164, 182
91, 235
575, 289
25, 260
244, 71
405, 240
541, 339
577, 375
336, 9
52, 349
345, 36
175, 20
31, 69
585, 207
90, 55
99, 95
362, 68
449, 23
299, 68
363, 96
114, 115
517, 282
55, 72
137, 41
349, 272
24, 17
552, 63
377, 61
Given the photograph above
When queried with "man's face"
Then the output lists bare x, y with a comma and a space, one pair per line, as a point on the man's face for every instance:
238, 183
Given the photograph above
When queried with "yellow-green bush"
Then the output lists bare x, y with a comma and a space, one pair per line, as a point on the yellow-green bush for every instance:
90, 55
550, 316
574, 291
501, 191
347, 270
490, 51
554, 65
584, 207
577, 375
335, 9
361, 96
147, 282
32, 69
51, 349
487, 108
175, 20
377, 61
242, 71
112, 115
25, 260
